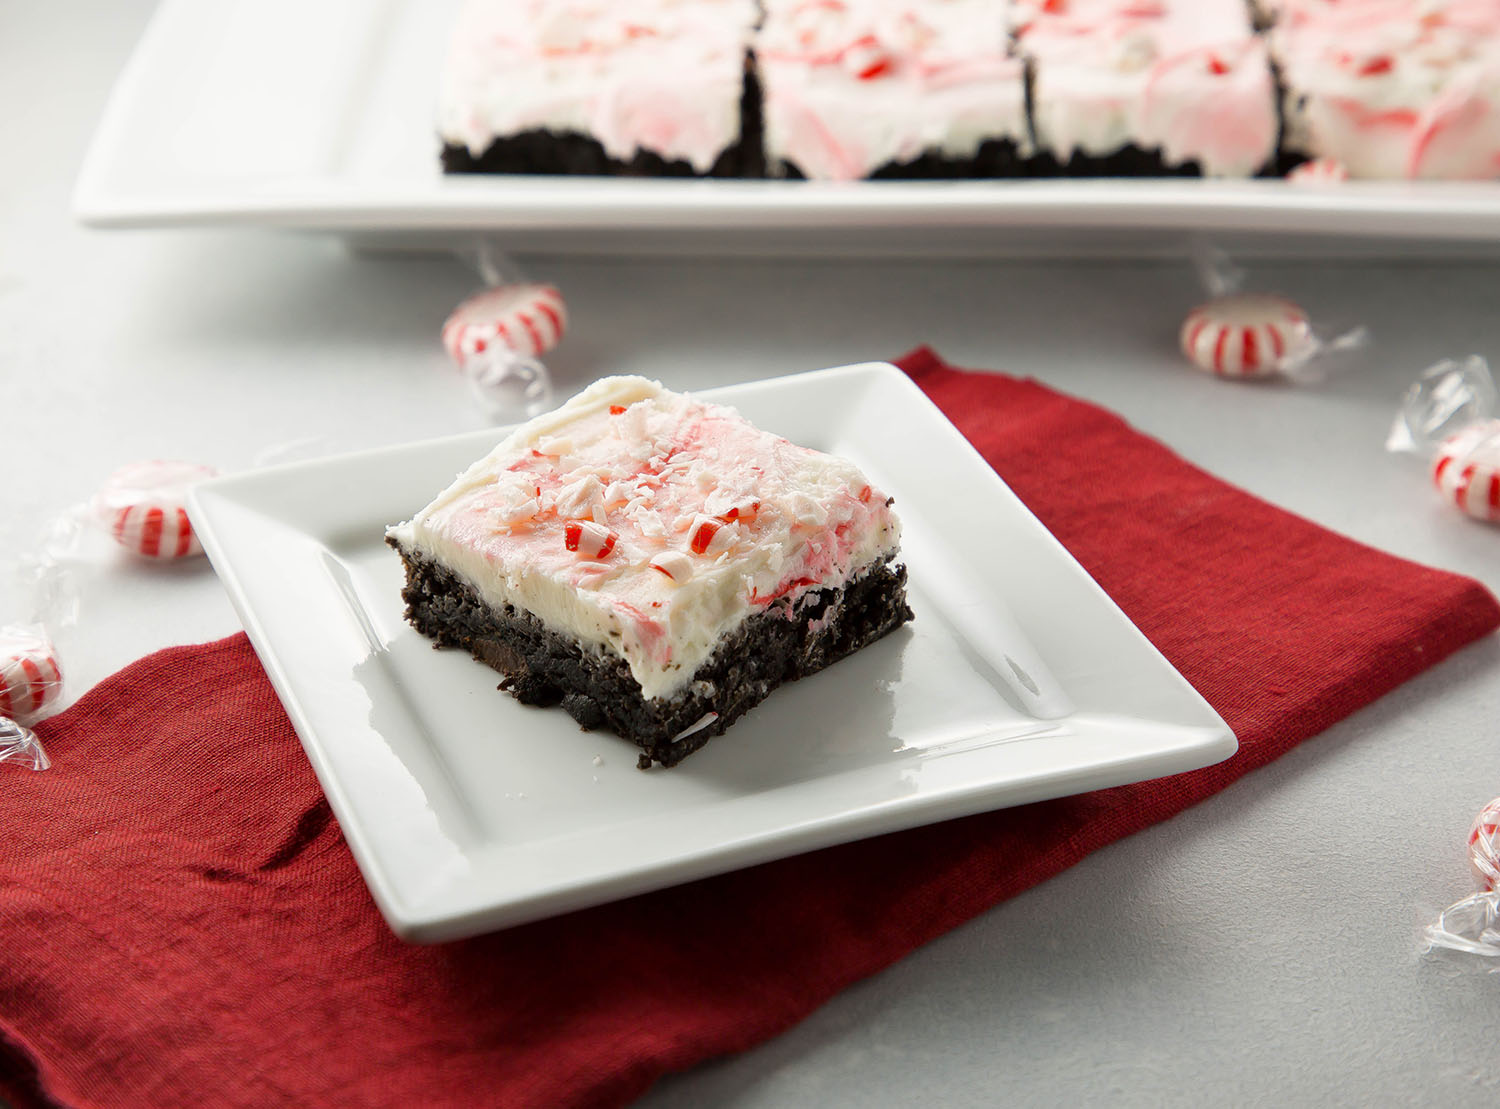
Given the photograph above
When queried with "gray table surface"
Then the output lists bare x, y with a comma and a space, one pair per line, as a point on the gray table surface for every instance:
1260, 948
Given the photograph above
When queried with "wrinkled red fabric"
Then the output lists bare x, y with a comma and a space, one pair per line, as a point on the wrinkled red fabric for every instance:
182, 924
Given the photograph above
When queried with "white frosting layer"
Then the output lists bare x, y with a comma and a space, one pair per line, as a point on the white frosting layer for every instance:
649, 525
1393, 88
853, 84
1187, 77
663, 76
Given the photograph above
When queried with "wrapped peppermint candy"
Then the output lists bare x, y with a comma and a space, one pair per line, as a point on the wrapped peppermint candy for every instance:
143, 505
1246, 335
1484, 846
525, 318
1451, 416
497, 338
1236, 334
30, 683
1472, 926
30, 677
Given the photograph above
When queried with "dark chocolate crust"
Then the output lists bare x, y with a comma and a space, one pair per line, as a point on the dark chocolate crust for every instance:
1128, 161
542, 667
994, 158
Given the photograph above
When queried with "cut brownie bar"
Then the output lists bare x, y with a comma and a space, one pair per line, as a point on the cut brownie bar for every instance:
654, 564
870, 88
652, 87
1185, 84
1391, 88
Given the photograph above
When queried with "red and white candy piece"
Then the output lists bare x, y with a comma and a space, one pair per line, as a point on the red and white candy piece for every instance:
1245, 335
30, 678
527, 319
702, 532
1319, 171
588, 539
1484, 846
143, 505
673, 564
1466, 470
866, 59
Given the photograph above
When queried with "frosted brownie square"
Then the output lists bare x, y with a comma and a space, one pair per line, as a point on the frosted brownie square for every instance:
1148, 86
870, 88
653, 563
1391, 88
649, 87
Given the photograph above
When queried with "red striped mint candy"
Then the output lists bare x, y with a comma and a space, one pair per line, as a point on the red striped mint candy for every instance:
30, 678
528, 319
1245, 335
1467, 470
143, 505
1484, 846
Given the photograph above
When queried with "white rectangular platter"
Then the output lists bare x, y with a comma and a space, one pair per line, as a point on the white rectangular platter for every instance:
319, 115
467, 811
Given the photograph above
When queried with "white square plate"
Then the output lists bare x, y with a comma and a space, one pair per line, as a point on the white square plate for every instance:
467, 811
343, 139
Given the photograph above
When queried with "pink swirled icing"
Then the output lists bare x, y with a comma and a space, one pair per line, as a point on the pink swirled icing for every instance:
851, 85
663, 76
1186, 77
1393, 88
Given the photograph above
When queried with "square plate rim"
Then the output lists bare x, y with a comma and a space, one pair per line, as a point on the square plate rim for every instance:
1213, 740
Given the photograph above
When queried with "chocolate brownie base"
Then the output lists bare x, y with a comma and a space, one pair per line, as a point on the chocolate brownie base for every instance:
1128, 161
573, 154
542, 667
994, 158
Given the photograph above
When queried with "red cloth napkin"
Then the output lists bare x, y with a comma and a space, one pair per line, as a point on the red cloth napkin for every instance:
182, 924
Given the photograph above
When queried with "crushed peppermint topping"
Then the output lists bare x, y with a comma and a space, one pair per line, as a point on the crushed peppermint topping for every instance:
697, 726
703, 531
578, 498
674, 564
588, 539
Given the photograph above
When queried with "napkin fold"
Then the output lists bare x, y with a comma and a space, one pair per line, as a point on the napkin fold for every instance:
181, 922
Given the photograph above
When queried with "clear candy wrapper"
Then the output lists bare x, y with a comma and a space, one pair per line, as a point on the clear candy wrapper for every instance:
1448, 398
1450, 416
509, 386
1471, 927
1468, 927
20, 748
1240, 334
497, 338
